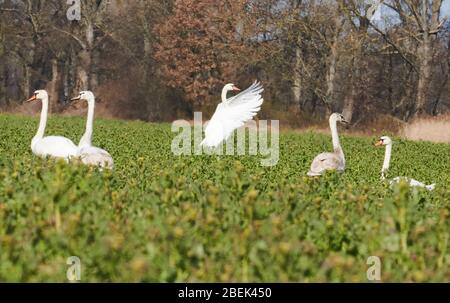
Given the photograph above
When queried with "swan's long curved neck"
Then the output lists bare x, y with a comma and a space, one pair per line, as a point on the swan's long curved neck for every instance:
43, 120
335, 137
224, 94
387, 160
86, 140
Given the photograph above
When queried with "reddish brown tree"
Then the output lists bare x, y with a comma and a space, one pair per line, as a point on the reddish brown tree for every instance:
201, 45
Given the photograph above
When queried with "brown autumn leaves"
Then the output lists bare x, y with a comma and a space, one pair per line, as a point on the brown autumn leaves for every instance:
161, 60
203, 45
316, 57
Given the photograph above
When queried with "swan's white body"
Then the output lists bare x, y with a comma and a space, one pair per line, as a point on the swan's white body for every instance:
51, 146
385, 140
334, 160
412, 183
232, 113
91, 155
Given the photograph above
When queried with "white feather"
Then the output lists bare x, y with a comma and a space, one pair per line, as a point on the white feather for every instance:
412, 183
232, 114
55, 147
95, 156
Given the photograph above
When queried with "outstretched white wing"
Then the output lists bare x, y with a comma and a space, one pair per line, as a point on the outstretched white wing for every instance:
232, 114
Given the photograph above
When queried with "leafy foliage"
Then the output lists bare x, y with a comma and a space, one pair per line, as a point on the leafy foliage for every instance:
160, 217
198, 44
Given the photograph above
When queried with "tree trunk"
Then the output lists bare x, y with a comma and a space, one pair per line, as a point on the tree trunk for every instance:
84, 62
93, 79
2, 85
65, 78
297, 87
85, 58
331, 75
426, 52
12, 82
349, 99
72, 73
349, 104
332, 63
52, 87
26, 80
152, 105
357, 64
423, 85
357, 67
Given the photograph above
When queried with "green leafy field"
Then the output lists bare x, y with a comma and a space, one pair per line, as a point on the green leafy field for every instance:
161, 218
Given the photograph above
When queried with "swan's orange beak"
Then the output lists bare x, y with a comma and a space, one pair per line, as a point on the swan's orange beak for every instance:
379, 143
32, 98
235, 88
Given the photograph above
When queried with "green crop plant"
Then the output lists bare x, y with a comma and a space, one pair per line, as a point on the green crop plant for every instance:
165, 218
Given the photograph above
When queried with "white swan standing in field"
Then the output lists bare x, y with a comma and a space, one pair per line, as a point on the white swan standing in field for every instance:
385, 140
232, 113
51, 146
91, 155
334, 160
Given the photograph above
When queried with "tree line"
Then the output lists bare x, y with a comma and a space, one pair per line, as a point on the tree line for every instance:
162, 60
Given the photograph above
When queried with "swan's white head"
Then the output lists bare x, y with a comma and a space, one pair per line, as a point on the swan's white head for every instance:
226, 89
336, 117
230, 87
385, 140
38, 95
85, 95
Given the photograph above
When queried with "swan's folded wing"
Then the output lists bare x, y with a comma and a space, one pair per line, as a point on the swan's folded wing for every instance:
96, 156
324, 162
233, 114
55, 147
94, 150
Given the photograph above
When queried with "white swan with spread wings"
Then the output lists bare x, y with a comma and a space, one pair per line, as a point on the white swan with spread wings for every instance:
232, 113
